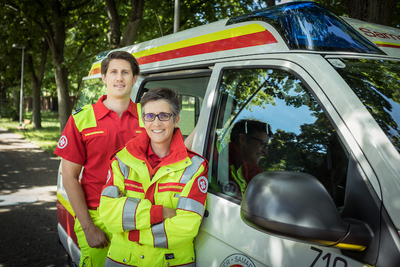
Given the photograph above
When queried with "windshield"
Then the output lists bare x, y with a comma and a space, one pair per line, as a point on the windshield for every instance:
91, 90
377, 85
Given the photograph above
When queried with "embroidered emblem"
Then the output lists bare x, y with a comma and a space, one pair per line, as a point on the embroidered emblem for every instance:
236, 260
230, 188
203, 184
63, 142
77, 111
169, 256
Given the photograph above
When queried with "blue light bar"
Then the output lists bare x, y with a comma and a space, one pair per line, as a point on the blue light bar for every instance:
309, 26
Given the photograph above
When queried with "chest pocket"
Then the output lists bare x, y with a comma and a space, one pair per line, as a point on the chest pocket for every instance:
94, 133
168, 193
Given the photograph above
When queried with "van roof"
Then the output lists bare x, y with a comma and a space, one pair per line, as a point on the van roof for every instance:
291, 27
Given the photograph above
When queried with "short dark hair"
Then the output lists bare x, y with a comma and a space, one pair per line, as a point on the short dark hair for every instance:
162, 93
120, 55
249, 127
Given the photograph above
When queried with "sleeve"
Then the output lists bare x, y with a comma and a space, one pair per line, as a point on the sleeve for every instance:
178, 231
121, 213
71, 146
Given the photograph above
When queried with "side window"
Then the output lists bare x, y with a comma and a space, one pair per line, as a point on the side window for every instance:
267, 120
191, 92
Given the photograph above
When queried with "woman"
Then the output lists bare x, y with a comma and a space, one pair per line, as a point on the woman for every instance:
155, 195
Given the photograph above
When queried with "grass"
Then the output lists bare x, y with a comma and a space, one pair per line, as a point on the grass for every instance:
46, 138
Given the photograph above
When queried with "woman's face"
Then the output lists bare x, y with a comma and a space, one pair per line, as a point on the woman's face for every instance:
253, 147
160, 132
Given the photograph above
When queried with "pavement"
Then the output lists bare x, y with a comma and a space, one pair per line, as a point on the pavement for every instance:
28, 205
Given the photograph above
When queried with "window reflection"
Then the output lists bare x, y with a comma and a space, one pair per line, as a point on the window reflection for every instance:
377, 85
303, 139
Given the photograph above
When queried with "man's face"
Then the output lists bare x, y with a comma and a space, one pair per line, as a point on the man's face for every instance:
252, 148
119, 79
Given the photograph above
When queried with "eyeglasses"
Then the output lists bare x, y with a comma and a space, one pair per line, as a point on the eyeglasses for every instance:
263, 143
149, 117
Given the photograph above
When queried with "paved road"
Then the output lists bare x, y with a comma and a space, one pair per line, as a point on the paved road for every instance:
28, 211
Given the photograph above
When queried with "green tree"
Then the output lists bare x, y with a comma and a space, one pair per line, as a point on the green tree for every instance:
59, 22
385, 12
141, 20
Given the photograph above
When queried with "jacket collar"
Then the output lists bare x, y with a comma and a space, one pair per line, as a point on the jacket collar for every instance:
102, 110
137, 147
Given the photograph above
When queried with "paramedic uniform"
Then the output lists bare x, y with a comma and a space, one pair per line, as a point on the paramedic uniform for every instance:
91, 136
132, 201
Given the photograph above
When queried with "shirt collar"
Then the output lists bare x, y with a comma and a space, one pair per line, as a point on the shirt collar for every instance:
138, 147
102, 110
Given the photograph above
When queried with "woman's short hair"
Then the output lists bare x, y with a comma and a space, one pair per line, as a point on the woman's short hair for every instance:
120, 55
162, 93
250, 127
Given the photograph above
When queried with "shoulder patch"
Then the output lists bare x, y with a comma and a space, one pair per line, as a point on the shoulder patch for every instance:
77, 111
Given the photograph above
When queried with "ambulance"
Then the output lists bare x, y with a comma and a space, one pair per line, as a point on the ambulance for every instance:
328, 88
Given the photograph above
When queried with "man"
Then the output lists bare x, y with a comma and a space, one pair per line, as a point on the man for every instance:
92, 135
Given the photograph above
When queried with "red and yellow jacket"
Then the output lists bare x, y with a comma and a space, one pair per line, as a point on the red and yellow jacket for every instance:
140, 236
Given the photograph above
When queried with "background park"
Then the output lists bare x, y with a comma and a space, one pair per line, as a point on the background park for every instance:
59, 40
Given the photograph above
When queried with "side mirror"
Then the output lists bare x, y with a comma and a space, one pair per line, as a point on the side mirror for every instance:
296, 206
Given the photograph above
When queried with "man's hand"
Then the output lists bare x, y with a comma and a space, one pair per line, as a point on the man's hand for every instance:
168, 213
96, 237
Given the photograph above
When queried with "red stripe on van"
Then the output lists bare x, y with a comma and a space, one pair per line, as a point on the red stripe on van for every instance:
389, 45
67, 221
259, 38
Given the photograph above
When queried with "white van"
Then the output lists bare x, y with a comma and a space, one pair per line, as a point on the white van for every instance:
329, 89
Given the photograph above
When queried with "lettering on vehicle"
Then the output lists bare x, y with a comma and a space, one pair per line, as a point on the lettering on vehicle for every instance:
382, 35
237, 260
336, 261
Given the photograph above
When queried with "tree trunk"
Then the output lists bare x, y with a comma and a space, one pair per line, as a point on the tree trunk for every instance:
135, 19
64, 109
270, 3
37, 84
114, 33
56, 41
375, 11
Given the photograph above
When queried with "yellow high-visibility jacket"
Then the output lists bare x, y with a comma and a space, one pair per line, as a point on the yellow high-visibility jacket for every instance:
132, 200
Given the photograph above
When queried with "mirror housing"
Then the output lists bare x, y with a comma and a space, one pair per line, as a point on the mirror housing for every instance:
296, 206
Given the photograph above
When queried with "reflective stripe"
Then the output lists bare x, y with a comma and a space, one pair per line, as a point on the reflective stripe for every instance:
192, 169
110, 191
128, 213
124, 169
110, 263
139, 113
189, 204
160, 237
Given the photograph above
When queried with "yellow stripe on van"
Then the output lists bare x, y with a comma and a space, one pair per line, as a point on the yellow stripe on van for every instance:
211, 37
387, 44
65, 203
199, 40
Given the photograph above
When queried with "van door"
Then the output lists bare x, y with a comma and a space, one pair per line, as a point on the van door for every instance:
268, 115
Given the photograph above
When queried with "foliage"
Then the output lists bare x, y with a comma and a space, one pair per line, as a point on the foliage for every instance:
339, 8
7, 110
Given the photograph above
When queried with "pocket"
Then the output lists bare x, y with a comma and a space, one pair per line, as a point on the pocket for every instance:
183, 256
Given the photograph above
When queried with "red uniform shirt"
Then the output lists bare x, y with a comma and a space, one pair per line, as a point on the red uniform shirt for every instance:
93, 147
